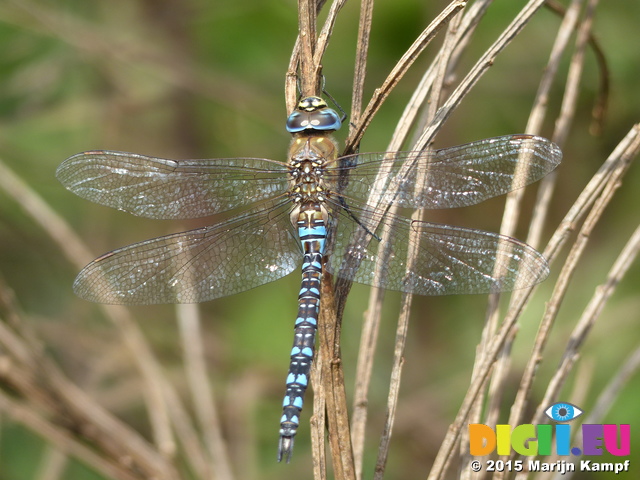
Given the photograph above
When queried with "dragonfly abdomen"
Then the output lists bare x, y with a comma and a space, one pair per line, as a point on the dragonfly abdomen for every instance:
312, 231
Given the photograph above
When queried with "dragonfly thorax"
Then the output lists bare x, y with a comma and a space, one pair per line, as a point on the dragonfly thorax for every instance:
308, 189
309, 159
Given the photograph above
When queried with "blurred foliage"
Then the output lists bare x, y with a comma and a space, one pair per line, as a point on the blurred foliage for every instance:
205, 79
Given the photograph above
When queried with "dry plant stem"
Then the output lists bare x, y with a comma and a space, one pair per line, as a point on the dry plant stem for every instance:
471, 20
476, 72
399, 70
394, 387
563, 123
469, 23
309, 69
599, 111
538, 112
371, 324
78, 255
370, 328
15, 346
53, 465
318, 419
608, 396
569, 23
499, 377
595, 305
46, 389
59, 231
591, 314
151, 372
514, 199
291, 79
360, 70
306, 60
582, 329
364, 368
603, 292
534, 126
190, 440
577, 396
611, 391
405, 309
618, 161
562, 127
326, 31
372, 317
109, 429
343, 286
201, 391
369, 334
466, 27
58, 436
590, 222
445, 454
572, 89
327, 370
444, 457
602, 100
73, 248
333, 384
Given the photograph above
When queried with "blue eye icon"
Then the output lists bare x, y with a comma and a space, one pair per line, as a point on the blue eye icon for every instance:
563, 412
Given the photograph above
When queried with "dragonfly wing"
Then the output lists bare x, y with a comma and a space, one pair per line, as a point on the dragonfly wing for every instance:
198, 265
161, 188
450, 260
452, 177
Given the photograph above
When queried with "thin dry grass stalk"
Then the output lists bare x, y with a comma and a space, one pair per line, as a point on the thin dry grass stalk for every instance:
82, 409
45, 401
189, 320
514, 199
48, 403
580, 333
398, 71
428, 132
562, 127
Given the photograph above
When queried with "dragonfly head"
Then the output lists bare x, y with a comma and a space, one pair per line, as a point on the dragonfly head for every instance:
313, 114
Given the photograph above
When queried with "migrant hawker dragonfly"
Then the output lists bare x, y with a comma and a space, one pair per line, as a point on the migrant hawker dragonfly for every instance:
319, 210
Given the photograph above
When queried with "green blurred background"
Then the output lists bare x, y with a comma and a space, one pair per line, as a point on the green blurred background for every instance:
197, 79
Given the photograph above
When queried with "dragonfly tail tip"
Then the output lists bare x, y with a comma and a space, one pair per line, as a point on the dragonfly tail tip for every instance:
285, 448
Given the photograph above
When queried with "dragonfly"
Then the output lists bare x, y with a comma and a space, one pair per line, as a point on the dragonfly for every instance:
318, 210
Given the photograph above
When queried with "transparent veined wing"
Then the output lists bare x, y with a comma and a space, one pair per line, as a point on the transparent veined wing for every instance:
450, 260
453, 177
249, 250
161, 188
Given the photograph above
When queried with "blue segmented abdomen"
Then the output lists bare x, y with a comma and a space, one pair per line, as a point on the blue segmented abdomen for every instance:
312, 232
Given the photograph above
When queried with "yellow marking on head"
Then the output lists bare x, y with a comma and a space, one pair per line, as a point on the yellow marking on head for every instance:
310, 104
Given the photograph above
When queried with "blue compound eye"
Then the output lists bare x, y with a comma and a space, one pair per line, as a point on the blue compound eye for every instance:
563, 412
